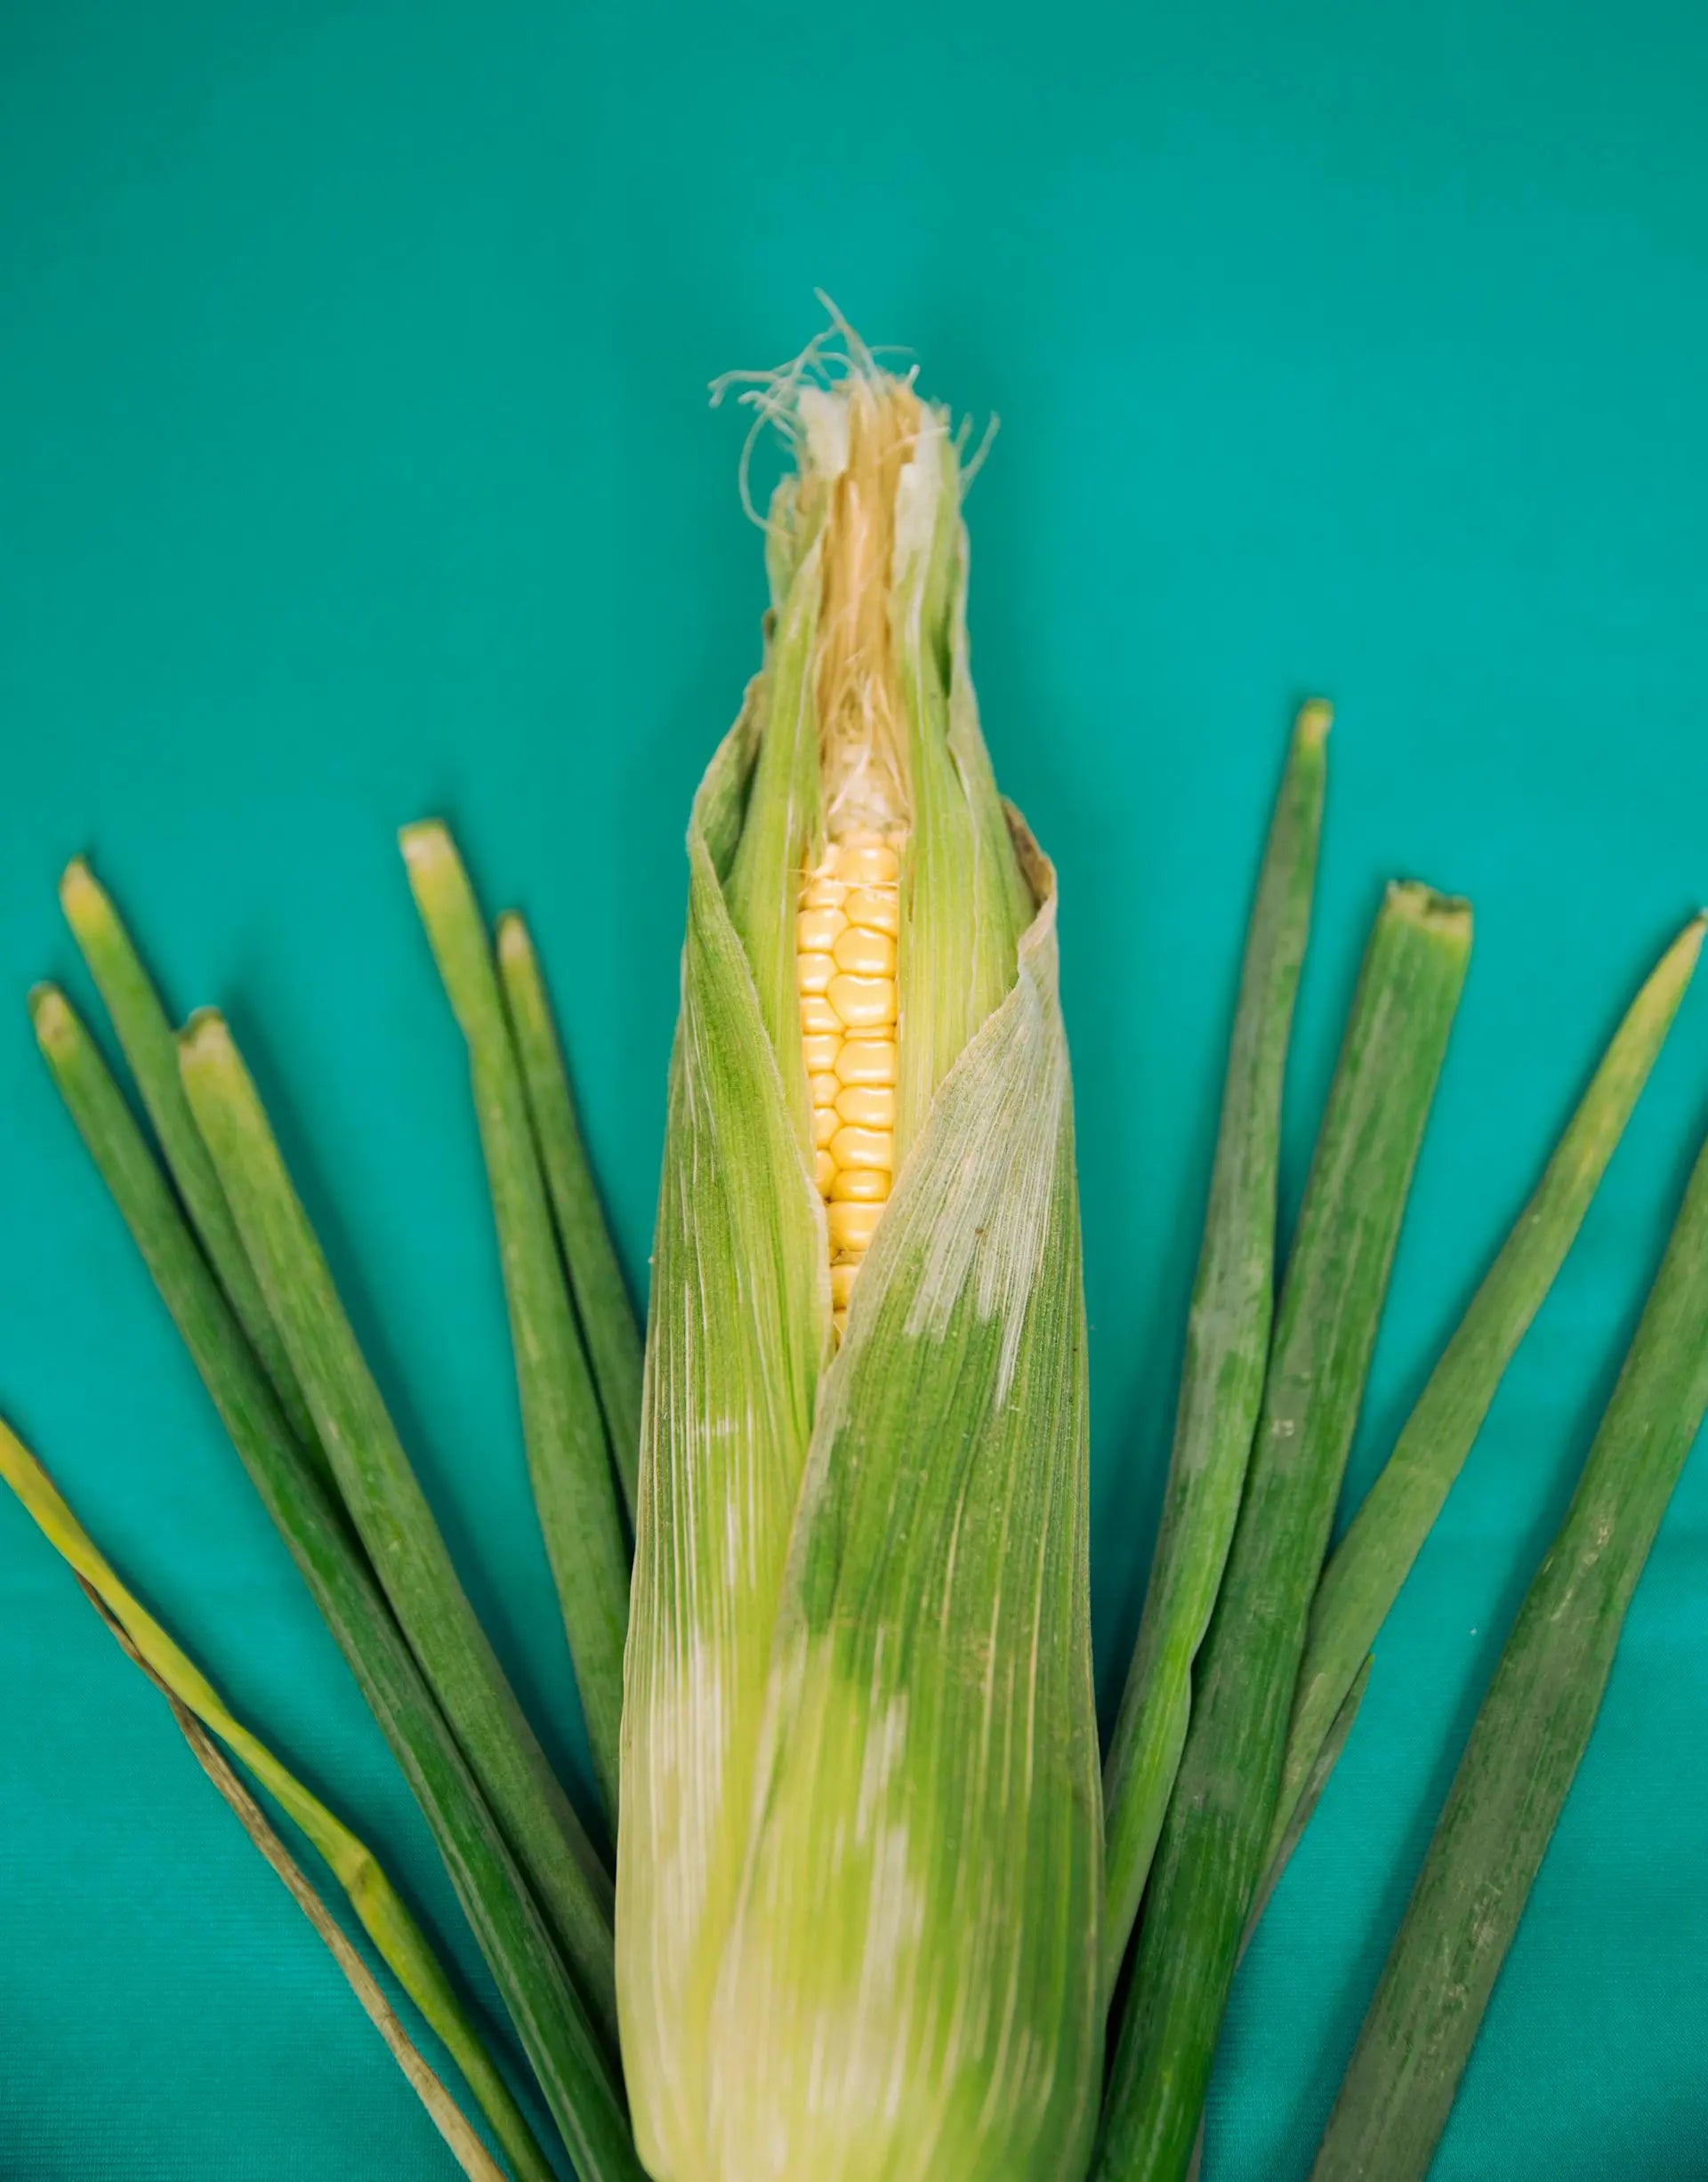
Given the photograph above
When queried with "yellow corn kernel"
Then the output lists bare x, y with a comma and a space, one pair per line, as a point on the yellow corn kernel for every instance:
855, 1185
818, 1016
873, 1106
826, 1122
817, 930
877, 908
863, 1003
823, 892
867, 1060
823, 1090
874, 865
814, 972
824, 1172
864, 1148
853, 1226
820, 1051
842, 1283
866, 953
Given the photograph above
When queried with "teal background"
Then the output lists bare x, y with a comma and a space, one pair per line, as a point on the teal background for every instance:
355, 464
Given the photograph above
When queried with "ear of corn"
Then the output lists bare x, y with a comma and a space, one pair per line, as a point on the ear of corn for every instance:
858, 1693
1528, 1740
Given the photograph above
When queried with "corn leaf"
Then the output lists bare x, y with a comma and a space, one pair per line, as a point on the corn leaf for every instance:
150, 1045
568, 1461
568, 2058
1367, 1568
446, 2115
386, 1504
1528, 1739
1214, 1842
608, 1324
1302, 1807
402, 1945
1226, 1347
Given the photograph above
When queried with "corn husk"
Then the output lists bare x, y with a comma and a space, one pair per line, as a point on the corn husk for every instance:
860, 1862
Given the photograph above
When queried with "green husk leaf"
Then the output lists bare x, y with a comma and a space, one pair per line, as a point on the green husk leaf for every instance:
737, 1329
1226, 1347
402, 1945
150, 1045
775, 840
568, 1461
609, 1324
923, 1894
1214, 1841
386, 1504
566, 2054
966, 900
1528, 1739
1367, 1568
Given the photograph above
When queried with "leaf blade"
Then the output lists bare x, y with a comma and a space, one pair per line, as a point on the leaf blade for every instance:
563, 1428
1528, 1738
566, 2054
608, 1317
150, 1046
1211, 1858
1226, 1347
1366, 1570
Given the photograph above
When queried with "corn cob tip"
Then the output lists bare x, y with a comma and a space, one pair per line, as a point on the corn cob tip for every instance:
51, 1013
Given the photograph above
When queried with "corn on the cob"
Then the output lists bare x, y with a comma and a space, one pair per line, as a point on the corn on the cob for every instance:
859, 1871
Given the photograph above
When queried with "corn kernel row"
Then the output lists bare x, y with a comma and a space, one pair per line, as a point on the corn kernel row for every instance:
845, 973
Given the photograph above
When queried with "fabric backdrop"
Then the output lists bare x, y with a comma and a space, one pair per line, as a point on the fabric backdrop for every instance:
355, 464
